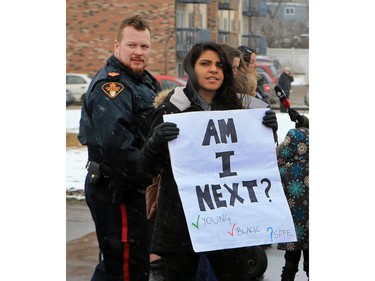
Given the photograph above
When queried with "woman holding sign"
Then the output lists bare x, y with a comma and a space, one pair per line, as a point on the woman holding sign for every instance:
210, 87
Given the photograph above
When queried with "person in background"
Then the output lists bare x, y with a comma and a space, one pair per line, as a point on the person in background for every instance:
250, 58
285, 82
245, 78
115, 121
293, 161
210, 86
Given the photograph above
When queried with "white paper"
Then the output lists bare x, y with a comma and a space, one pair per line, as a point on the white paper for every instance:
230, 185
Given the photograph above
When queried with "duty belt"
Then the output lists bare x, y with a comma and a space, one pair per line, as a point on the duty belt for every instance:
93, 169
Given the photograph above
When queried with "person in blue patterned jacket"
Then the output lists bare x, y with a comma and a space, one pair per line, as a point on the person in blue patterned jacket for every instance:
293, 161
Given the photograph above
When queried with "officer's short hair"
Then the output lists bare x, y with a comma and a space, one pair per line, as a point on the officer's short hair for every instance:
136, 21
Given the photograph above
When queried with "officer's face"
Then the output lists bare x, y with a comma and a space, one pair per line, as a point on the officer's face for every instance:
134, 49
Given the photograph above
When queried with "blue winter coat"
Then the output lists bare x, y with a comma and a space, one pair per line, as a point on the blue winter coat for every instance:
293, 161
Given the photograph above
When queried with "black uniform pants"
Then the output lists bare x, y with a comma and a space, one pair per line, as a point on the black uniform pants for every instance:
122, 231
228, 265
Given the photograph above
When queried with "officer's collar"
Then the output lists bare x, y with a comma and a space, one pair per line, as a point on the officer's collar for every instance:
116, 62
144, 77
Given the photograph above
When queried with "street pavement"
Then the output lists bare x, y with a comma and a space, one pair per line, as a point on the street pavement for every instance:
82, 247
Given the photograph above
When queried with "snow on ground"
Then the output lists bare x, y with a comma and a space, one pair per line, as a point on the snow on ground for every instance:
299, 80
76, 158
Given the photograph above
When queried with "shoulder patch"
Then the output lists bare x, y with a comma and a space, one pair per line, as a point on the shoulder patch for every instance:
112, 89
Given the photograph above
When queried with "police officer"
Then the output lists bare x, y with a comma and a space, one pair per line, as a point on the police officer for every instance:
114, 123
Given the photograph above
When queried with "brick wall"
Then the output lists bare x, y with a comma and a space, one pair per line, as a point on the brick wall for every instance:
212, 19
91, 27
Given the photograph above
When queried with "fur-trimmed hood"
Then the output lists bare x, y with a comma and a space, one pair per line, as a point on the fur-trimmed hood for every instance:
158, 100
177, 97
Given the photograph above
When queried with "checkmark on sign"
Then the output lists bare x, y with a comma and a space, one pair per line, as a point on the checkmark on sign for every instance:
231, 233
196, 224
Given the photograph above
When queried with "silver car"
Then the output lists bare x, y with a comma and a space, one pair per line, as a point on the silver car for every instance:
69, 97
78, 84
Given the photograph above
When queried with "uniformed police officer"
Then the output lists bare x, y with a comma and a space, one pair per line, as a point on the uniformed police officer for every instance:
114, 124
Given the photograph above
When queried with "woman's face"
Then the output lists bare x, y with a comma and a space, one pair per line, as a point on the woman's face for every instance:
253, 61
235, 65
209, 71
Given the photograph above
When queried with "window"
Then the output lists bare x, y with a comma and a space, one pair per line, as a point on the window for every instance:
168, 84
289, 11
225, 24
233, 25
75, 80
191, 20
179, 19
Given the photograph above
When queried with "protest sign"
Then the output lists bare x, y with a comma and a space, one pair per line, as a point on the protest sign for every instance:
225, 167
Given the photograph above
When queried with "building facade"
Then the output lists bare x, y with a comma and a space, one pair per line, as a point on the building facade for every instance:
176, 25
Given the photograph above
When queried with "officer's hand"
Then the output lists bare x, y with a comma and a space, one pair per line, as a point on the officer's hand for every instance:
163, 133
270, 121
294, 115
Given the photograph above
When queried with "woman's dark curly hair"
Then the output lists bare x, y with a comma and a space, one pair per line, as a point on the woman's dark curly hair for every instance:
226, 97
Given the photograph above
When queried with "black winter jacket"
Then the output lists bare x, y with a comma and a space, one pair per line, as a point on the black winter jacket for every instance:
170, 230
285, 82
115, 119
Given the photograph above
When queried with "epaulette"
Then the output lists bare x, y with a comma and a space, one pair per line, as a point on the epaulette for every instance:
113, 76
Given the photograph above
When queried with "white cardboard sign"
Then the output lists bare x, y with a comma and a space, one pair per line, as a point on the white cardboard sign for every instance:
225, 167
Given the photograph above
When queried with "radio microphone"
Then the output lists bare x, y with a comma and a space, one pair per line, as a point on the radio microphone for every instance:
282, 96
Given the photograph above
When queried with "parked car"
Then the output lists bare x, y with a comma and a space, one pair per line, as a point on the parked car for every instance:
170, 82
268, 86
275, 61
269, 69
78, 84
267, 81
69, 97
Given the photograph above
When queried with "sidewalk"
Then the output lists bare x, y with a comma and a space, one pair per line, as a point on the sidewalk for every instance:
81, 244
82, 252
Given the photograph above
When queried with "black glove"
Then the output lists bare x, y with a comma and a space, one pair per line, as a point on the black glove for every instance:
294, 115
163, 133
270, 121
301, 120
